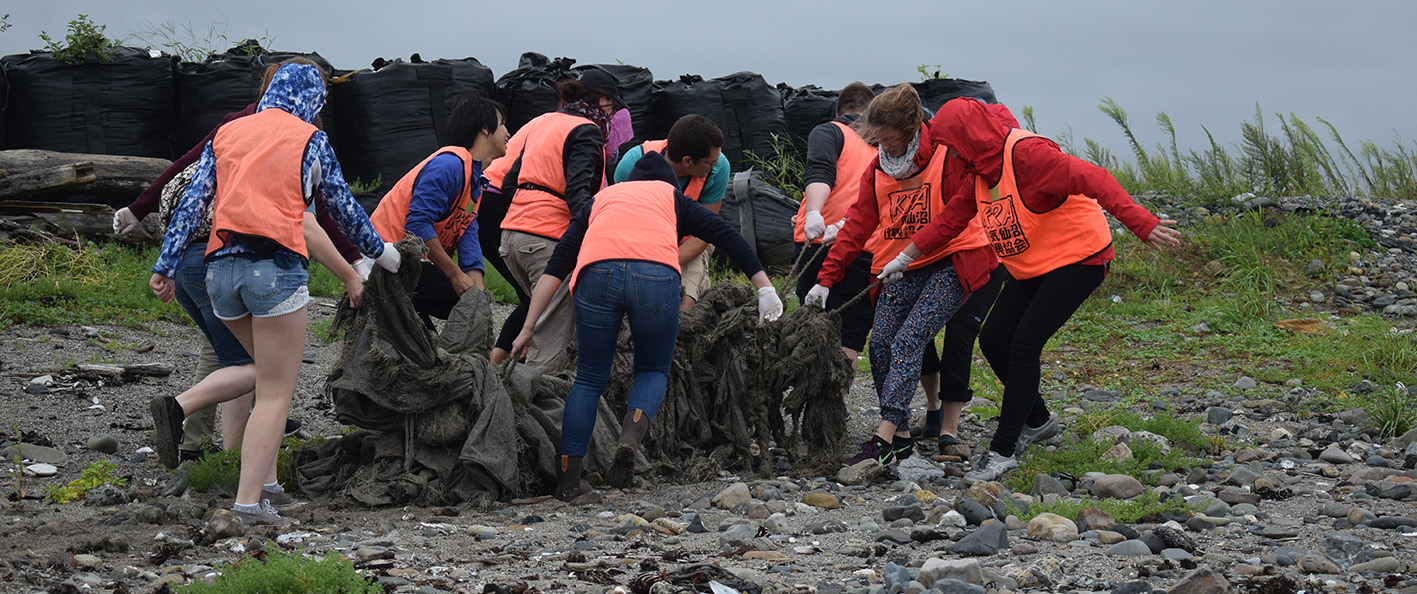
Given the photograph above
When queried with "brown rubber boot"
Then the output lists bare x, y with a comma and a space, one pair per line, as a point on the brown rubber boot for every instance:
632, 431
569, 485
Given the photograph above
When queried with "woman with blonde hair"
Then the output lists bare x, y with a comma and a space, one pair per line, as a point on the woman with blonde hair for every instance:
904, 189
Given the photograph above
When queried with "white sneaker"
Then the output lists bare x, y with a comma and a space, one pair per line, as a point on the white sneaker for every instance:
991, 467
1040, 434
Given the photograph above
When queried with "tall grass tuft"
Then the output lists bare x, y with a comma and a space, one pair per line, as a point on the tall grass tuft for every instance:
1294, 161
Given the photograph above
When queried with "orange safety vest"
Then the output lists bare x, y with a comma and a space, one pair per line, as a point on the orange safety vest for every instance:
539, 204
696, 184
906, 206
633, 220
855, 157
391, 217
1031, 244
260, 190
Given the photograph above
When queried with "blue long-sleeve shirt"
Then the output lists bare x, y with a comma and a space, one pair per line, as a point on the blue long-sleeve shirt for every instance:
298, 90
435, 192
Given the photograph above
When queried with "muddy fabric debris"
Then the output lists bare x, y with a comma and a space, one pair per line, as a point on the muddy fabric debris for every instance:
441, 425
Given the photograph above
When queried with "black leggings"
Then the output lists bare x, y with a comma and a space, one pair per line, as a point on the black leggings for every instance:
957, 351
1026, 314
489, 234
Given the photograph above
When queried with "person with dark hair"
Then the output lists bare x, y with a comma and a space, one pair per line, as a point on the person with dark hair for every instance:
621, 255
904, 189
1042, 211
261, 174
556, 172
837, 157
219, 348
694, 148
438, 201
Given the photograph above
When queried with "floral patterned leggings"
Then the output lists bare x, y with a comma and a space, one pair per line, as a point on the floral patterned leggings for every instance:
909, 313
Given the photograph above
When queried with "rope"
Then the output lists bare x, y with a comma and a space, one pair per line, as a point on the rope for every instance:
798, 268
857, 297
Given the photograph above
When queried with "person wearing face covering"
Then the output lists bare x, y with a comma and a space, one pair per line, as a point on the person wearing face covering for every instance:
557, 165
621, 253
260, 174
1042, 211
902, 191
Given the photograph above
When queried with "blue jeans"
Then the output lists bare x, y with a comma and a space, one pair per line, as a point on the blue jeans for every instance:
605, 294
191, 293
241, 286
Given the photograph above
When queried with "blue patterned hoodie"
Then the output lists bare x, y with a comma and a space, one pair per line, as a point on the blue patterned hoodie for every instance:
298, 90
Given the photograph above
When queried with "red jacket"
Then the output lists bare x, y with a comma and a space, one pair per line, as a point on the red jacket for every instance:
972, 266
1046, 176
148, 201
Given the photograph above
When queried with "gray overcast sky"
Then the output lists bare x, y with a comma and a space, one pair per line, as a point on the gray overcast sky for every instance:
1205, 63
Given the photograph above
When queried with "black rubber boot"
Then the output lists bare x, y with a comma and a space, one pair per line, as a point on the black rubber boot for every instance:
569, 485
632, 431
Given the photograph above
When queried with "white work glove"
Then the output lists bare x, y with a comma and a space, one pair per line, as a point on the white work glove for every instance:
829, 237
363, 267
895, 269
815, 226
769, 306
389, 260
124, 221
817, 296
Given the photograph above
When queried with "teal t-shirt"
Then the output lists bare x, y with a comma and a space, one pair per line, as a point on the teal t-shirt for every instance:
714, 187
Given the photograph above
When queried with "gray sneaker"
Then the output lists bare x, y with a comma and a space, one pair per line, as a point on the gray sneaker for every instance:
280, 499
1040, 434
266, 517
991, 467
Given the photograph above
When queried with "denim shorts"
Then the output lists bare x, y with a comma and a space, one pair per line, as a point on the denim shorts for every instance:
239, 285
191, 293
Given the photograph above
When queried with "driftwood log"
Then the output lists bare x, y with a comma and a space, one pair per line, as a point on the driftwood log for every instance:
76, 177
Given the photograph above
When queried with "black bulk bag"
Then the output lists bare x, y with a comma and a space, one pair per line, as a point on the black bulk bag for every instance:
746, 109
222, 84
4, 91
636, 87
530, 90
762, 213
122, 106
936, 91
805, 108
392, 116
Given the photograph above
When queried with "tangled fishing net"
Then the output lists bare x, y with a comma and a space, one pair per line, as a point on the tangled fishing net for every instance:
440, 425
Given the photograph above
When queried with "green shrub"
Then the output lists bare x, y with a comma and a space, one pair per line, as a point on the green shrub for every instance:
224, 468
52, 285
93, 476
84, 38
278, 572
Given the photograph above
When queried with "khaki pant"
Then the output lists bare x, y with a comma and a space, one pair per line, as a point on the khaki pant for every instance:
694, 279
526, 255
201, 424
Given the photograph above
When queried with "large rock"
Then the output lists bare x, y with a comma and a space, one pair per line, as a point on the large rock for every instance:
974, 512
1380, 565
732, 496
1047, 485
1118, 453
224, 524
1129, 548
861, 473
1048, 526
1117, 486
821, 499
919, 470
739, 534
103, 443
964, 570
987, 540
1095, 519
34, 453
1203, 580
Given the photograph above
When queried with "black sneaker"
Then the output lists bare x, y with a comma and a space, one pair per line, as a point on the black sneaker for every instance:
876, 449
947, 440
167, 429
291, 426
902, 447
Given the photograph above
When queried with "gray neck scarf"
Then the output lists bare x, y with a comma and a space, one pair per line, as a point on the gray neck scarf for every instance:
903, 166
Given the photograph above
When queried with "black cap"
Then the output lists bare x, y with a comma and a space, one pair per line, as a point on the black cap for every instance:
653, 167
595, 81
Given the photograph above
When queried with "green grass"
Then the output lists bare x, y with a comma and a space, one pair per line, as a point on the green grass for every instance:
275, 571
224, 468
1282, 156
96, 284
1126, 511
1079, 456
500, 288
